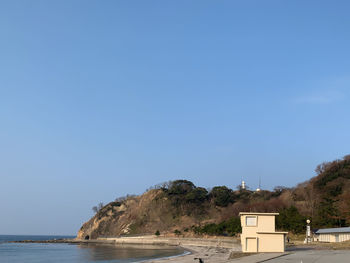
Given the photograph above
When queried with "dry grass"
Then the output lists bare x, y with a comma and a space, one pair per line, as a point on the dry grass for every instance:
335, 246
322, 245
296, 237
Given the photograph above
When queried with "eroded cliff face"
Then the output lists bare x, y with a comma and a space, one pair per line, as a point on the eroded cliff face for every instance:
108, 221
143, 214
120, 218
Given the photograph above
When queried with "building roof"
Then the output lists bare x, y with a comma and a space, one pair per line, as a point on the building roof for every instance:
272, 232
260, 214
333, 230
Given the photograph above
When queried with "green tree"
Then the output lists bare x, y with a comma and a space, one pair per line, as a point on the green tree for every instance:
229, 227
180, 187
177, 232
328, 214
196, 195
222, 196
233, 226
290, 219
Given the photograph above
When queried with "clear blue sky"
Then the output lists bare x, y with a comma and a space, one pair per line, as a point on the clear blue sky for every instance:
99, 99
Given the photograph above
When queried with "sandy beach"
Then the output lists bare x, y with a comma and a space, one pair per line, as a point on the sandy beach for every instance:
219, 255
315, 253
208, 254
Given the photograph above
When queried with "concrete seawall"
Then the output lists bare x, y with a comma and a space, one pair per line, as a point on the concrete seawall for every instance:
173, 241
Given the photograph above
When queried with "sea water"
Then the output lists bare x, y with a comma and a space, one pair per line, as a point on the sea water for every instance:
77, 253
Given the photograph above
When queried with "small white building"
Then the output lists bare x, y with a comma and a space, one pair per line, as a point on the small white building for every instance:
259, 234
332, 234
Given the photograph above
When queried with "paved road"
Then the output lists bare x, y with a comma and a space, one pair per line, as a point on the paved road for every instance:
314, 256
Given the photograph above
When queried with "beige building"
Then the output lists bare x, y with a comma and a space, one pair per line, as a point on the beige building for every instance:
259, 234
332, 234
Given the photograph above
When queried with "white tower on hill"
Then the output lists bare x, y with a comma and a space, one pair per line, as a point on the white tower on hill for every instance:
259, 188
243, 185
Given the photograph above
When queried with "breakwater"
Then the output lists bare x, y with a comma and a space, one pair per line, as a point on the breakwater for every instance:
150, 240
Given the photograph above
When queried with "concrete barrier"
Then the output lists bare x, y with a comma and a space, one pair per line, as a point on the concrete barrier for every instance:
173, 241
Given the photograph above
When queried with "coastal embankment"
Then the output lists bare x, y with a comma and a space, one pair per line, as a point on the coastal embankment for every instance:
228, 243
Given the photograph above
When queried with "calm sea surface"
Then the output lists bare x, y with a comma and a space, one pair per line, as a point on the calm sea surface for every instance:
58, 253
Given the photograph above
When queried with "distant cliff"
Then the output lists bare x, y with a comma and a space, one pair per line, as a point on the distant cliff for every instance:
181, 208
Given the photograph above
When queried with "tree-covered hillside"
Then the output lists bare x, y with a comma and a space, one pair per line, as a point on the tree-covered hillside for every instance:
326, 197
